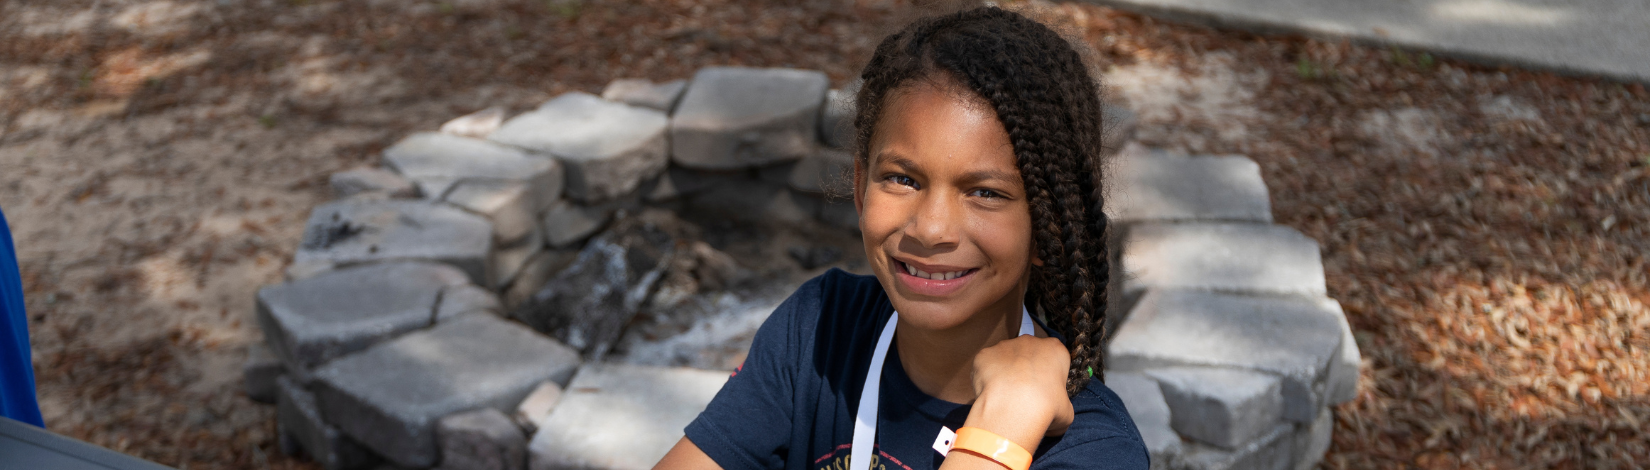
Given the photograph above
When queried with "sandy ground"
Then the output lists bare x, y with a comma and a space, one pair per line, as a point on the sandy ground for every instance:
1484, 228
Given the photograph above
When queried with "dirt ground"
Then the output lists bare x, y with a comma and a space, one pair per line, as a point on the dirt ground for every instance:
1484, 228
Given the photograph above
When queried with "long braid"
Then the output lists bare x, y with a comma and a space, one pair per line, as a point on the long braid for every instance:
1050, 108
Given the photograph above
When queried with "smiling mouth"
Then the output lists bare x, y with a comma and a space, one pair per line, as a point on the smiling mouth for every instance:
945, 276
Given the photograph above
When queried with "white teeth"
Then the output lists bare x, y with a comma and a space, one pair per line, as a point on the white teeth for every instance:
932, 276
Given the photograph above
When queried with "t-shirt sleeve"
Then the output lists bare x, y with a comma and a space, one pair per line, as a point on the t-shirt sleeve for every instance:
748, 424
1112, 453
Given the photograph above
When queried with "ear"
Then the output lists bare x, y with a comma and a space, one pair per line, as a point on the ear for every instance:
1035, 261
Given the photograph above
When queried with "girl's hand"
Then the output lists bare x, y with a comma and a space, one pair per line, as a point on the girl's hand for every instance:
1021, 388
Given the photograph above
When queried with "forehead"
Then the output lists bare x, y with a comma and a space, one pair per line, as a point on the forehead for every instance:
937, 123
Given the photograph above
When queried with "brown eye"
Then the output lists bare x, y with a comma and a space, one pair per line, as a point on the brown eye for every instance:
986, 193
901, 180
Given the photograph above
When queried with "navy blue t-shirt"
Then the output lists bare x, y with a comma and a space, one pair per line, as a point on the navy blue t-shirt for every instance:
791, 405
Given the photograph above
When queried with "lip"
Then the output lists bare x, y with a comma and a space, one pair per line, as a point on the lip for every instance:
929, 287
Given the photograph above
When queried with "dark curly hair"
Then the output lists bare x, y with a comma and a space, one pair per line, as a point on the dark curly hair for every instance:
1050, 105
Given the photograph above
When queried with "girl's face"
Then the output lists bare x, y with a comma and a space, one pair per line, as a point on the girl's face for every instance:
944, 213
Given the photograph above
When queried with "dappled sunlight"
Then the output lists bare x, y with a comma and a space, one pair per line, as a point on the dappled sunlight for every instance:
122, 73
153, 18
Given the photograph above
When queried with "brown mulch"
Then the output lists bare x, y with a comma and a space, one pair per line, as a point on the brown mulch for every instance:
1484, 228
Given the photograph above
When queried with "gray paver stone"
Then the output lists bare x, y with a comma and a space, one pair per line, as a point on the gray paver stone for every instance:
567, 223
1271, 451
306, 269
677, 182
508, 204
1290, 337
838, 211
588, 304
1247, 258
640, 92
735, 117
370, 180
477, 124
354, 232
508, 263
467, 298
309, 322
482, 439
825, 172
259, 372
301, 420
1144, 400
537, 271
534, 409
621, 417
836, 116
1157, 186
1312, 441
389, 397
1120, 124
756, 202
607, 148
1342, 381
436, 161
1224, 407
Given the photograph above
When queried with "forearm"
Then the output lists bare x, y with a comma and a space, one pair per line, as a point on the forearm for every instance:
1005, 413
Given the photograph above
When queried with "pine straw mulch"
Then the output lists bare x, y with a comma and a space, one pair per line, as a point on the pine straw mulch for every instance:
1484, 228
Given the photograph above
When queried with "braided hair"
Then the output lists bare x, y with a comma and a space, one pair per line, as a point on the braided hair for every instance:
1050, 106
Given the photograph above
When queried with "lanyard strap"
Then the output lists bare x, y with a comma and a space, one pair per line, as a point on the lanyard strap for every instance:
865, 418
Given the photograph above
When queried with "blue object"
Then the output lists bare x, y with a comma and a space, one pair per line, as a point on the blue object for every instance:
17, 399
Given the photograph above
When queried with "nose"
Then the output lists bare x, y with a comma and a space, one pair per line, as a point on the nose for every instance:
937, 222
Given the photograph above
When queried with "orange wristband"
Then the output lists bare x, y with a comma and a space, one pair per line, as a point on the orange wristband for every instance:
989, 445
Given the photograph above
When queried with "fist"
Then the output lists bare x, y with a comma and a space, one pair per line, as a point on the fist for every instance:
1024, 379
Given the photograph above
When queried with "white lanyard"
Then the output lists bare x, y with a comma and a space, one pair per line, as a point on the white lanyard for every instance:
865, 419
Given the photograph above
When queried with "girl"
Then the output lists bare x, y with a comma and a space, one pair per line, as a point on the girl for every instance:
975, 178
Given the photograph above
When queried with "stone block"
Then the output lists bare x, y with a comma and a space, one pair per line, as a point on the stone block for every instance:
508, 262
567, 223
306, 269
836, 116
309, 322
621, 417
259, 372
1120, 124
370, 180
736, 117
355, 232
390, 397
1342, 382
508, 204
839, 211
1224, 407
463, 299
756, 202
537, 271
588, 304
482, 439
1290, 337
1150, 186
436, 161
475, 125
607, 148
825, 172
1243, 258
1144, 399
1271, 451
534, 409
640, 92
677, 182
300, 420
1312, 441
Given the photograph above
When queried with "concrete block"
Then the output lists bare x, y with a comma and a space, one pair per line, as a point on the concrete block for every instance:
608, 148
736, 117
1150, 186
567, 223
1120, 125
1342, 382
309, 322
1244, 258
825, 172
677, 182
1292, 338
1271, 451
1223, 407
389, 397
1144, 399
537, 271
621, 417
839, 211
640, 92
355, 232
300, 421
1312, 441
482, 439
306, 269
588, 304
435, 161
534, 409
755, 202
259, 372
475, 125
507, 203
508, 262
836, 116
370, 180
467, 298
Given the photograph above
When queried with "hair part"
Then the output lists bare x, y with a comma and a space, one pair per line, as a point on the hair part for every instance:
1044, 97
